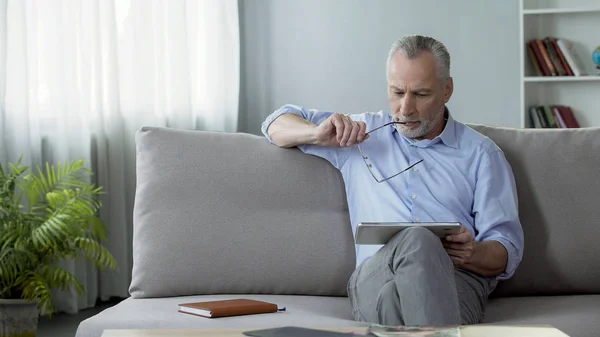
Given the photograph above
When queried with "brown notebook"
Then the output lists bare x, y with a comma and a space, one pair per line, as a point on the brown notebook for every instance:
224, 308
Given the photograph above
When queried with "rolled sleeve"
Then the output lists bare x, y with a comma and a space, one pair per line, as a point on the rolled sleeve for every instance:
336, 156
286, 109
514, 258
311, 115
496, 209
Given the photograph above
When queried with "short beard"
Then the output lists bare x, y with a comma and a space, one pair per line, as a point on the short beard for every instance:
423, 129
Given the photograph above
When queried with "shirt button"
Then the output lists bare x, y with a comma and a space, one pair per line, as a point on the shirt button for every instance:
414, 196
417, 220
415, 169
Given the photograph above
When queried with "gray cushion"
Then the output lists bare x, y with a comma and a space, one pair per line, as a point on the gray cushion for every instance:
161, 313
230, 213
558, 179
577, 316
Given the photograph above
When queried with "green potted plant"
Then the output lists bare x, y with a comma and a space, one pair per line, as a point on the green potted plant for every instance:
44, 218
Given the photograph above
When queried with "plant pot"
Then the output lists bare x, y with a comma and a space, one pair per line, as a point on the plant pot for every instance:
18, 318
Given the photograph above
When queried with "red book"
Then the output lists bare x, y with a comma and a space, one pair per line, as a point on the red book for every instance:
224, 308
546, 57
540, 58
534, 61
563, 61
568, 117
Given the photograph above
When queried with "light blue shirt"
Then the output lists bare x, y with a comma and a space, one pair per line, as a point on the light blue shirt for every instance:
464, 177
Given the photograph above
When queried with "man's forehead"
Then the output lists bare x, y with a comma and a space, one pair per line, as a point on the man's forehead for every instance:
412, 87
421, 68
398, 82
423, 56
412, 81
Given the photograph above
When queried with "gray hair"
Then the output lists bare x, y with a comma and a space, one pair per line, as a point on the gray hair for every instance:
412, 45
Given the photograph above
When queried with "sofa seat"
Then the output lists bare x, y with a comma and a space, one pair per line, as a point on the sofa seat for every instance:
292, 236
161, 313
575, 315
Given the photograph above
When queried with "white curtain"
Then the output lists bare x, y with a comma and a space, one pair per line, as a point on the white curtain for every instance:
79, 77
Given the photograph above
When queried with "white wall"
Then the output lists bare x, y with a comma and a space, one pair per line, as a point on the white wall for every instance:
330, 54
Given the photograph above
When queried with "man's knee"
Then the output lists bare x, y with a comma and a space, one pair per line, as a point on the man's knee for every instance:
417, 244
416, 238
389, 309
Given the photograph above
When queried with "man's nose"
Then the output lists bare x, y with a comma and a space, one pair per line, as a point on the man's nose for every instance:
408, 105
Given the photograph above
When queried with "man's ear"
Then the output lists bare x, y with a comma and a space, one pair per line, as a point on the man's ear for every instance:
448, 89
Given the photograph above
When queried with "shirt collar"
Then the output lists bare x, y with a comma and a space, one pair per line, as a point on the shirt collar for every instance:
448, 135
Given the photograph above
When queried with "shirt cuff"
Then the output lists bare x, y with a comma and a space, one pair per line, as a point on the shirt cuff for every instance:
288, 108
514, 258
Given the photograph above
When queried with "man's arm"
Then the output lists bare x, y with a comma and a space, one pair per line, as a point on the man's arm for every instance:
291, 130
497, 249
330, 129
489, 259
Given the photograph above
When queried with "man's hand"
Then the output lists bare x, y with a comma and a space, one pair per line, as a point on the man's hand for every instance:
460, 247
340, 131
487, 258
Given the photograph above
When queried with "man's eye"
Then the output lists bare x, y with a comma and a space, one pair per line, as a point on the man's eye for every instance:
421, 95
399, 93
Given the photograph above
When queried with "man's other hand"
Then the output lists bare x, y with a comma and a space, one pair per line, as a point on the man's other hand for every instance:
340, 131
460, 246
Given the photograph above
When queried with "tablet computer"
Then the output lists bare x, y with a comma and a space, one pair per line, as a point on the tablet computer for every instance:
379, 233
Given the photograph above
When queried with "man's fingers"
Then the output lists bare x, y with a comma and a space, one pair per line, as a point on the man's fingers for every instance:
456, 253
353, 139
456, 260
461, 237
362, 128
455, 246
339, 127
464, 236
347, 130
457, 257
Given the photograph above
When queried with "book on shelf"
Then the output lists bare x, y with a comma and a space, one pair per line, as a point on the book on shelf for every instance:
533, 56
572, 57
552, 117
553, 56
561, 57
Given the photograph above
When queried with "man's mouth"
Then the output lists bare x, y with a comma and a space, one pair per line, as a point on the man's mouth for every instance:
409, 123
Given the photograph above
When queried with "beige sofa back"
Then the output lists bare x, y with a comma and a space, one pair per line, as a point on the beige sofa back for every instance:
229, 213
219, 213
558, 180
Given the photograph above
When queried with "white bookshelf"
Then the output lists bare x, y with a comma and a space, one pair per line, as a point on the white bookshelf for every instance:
577, 21
560, 10
561, 78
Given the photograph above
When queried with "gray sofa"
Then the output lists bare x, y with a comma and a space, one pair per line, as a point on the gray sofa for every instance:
228, 215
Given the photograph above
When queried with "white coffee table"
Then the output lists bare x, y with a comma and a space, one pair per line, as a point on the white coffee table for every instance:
466, 331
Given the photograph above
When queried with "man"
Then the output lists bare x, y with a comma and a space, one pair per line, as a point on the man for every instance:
461, 176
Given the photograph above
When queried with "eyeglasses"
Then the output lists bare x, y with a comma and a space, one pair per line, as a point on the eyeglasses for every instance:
369, 166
